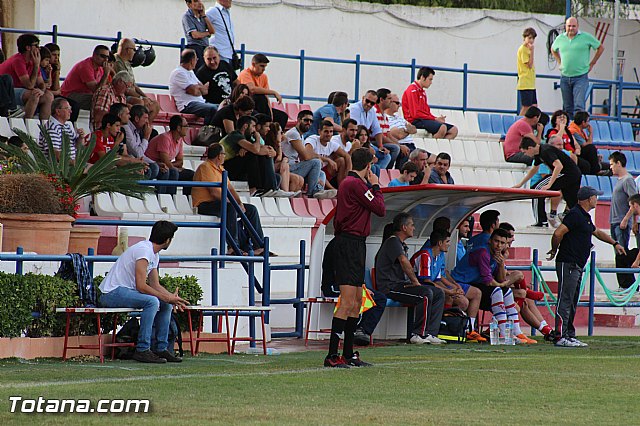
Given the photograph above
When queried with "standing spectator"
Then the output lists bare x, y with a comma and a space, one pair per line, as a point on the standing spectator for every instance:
620, 212
28, 86
527, 71
87, 76
167, 149
197, 29
135, 95
399, 128
384, 101
573, 237
227, 116
572, 50
440, 173
107, 95
304, 163
137, 131
523, 128
331, 112
187, 90
423, 159
218, 74
57, 125
225, 34
359, 196
416, 108
408, 174
255, 78
54, 79
397, 280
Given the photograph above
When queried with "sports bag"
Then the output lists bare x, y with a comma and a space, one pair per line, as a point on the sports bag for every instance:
454, 326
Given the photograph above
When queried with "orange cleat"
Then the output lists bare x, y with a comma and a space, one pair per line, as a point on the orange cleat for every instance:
475, 336
525, 340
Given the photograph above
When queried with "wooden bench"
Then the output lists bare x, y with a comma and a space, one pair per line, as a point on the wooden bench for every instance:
223, 311
97, 312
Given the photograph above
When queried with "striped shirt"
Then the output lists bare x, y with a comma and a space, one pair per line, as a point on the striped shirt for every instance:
55, 129
382, 120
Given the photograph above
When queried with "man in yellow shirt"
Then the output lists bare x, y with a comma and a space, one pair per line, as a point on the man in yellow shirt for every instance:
527, 71
208, 202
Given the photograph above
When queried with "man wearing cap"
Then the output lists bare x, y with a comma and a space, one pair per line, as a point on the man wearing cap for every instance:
574, 238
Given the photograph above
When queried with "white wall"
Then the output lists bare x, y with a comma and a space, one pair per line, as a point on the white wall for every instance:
485, 40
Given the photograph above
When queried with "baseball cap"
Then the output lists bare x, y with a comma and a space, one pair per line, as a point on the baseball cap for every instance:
587, 192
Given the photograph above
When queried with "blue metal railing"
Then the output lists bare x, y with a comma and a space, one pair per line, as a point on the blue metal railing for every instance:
616, 88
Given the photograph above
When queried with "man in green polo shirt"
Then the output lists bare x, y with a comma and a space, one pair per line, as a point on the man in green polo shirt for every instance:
572, 50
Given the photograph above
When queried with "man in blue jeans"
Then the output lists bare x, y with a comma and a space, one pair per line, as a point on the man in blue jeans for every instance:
572, 50
125, 286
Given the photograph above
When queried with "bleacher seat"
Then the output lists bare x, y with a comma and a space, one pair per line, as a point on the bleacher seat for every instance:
497, 152
18, 123
636, 158
496, 124
631, 161
152, 205
5, 128
432, 145
482, 178
493, 178
471, 152
606, 187
627, 132
506, 179
285, 207
300, 208
384, 178
183, 204
33, 127
469, 177
456, 174
327, 206
103, 205
444, 145
266, 217
596, 133
482, 147
507, 121
603, 129
484, 123
313, 207
616, 133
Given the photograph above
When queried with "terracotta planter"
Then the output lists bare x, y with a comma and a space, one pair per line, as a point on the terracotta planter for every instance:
40, 233
82, 238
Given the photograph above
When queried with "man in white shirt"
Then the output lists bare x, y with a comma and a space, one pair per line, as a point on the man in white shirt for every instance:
336, 161
347, 136
225, 35
399, 128
187, 90
125, 286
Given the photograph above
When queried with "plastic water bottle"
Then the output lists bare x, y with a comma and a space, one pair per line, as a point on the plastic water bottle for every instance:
494, 332
508, 333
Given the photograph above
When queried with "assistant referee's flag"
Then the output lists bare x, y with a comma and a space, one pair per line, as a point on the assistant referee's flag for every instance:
367, 301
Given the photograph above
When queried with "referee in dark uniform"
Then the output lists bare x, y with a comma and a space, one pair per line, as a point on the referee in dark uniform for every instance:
359, 196
574, 238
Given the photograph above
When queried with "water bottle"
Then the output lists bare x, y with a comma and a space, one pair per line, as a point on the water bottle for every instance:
494, 332
512, 333
508, 333
503, 336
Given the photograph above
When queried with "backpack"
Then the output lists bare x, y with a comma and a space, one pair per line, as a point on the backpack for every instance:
175, 335
129, 334
454, 326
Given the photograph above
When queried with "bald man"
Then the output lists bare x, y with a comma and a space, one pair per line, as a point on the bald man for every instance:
135, 95
572, 50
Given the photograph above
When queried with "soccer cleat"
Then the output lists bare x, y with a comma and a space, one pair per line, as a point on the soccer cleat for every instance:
578, 342
535, 295
335, 361
554, 221
417, 340
355, 361
566, 343
433, 340
525, 340
475, 336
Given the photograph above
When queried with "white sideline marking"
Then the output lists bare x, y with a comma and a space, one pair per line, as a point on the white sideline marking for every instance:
314, 370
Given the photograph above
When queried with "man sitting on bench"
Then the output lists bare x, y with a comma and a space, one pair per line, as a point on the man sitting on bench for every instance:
125, 286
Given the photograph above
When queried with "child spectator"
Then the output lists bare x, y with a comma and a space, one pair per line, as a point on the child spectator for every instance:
409, 173
527, 71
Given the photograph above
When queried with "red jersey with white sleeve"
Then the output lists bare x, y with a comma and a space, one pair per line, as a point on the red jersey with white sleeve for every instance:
356, 201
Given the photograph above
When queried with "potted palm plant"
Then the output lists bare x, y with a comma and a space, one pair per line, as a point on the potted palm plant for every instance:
71, 179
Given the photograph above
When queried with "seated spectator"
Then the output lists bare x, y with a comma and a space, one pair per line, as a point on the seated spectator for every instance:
423, 159
582, 133
272, 135
110, 136
380, 159
167, 149
208, 202
19, 143
489, 222
399, 128
248, 160
53, 81
331, 112
137, 131
336, 161
57, 125
197, 29
463, 230
29, 88
397, 280
86, 77
430, 267
417, 111
523, 128
121, 111
135, 95
304, 163
107, 95
408, 174
238, 91
346, 136
227, 116
133, 282
187, 90
219, 74
440, 172
258, 82
384, 101
365, 115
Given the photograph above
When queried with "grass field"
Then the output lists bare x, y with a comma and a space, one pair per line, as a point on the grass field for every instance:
456, 384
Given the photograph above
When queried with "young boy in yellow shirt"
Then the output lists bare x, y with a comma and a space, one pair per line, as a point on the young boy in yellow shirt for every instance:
526, 71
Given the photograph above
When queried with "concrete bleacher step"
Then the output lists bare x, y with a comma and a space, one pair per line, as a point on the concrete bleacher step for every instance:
614, 320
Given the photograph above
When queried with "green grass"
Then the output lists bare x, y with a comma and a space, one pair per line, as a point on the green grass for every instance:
456, 384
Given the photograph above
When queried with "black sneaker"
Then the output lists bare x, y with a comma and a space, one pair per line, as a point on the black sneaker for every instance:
361, 338
355, 361
148, 357
168, 356
335, 361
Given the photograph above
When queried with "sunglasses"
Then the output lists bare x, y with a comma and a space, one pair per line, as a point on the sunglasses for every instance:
307, 120
103, 56
397, 103
370, 102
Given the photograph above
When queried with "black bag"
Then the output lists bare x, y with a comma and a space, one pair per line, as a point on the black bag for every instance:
625, 261
127, 334
454, 326
207, 135
175, 335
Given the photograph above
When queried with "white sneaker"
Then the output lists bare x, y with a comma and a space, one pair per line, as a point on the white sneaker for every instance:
433, 340
325, 194
417, 340
554, 221
567, 343
279, 193
578, 342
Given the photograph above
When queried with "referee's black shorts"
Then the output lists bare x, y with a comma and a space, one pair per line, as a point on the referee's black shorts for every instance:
349, 256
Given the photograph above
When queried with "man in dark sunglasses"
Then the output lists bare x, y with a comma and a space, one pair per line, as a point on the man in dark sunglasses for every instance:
87, 76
